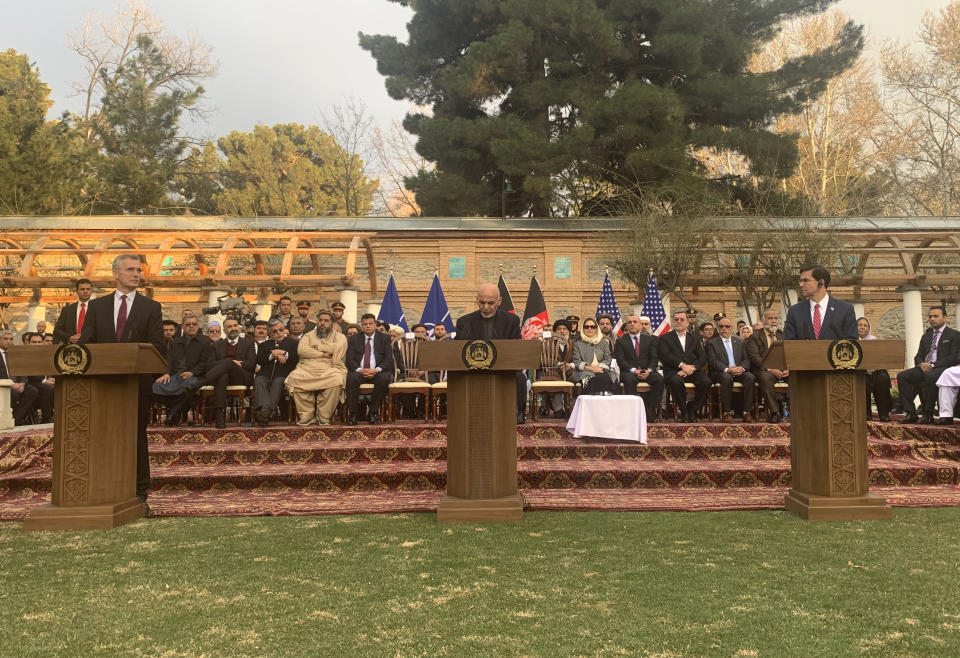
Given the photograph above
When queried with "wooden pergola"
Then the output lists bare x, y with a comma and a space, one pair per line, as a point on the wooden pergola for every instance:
179, 266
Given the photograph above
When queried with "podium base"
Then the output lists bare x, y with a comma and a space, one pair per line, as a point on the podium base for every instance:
93, 517
869, 507
469, 510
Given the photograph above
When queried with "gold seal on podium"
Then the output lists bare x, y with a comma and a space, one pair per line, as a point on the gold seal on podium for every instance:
479, 355
71, 359
845, 354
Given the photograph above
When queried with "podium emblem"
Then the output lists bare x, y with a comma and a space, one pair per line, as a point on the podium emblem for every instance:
845, 354
71, 359
479, 355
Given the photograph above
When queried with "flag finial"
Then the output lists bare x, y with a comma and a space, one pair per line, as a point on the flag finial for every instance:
501, 269
534, 271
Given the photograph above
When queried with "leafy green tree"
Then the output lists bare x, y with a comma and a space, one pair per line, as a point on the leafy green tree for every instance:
141, 147
531, 95
281, 170
43, 164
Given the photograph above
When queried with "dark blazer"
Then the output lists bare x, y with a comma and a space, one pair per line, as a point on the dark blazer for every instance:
185, 355
382, 351
757, 348
627, 358
267, 369
839, 315
717, 354
947, 348
67, 323
672, 355
20, 379
246, 353
143, 322
505, 326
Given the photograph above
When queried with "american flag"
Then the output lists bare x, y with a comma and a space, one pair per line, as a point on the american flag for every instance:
653, 308
608, 305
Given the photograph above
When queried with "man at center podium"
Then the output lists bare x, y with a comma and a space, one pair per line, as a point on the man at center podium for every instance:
491, 323
819, 315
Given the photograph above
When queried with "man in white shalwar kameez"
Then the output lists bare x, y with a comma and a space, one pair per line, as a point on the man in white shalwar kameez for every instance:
947, 386
316, 384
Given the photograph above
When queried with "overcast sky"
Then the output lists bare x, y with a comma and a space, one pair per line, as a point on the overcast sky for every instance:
289, 60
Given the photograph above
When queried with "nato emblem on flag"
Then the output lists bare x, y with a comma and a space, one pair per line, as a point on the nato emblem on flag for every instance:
608, 305
390, 309
435, 311
653, 309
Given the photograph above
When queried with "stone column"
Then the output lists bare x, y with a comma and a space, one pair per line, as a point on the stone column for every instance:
348, 297
912, 321
742, 313
373, 307
792, 296
37, 312
859, 309
6, 412
263, 311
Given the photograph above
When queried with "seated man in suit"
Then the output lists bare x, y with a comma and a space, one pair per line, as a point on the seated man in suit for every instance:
819, 315
316, 384
728, 361
757, 347
489, 322
369, 361
70, 322
235, 360
22, 394
44, 385
681, 353
636, 355
938, 351
189, 357
276, 358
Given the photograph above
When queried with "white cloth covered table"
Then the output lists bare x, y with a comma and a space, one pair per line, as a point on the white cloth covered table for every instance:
609, 417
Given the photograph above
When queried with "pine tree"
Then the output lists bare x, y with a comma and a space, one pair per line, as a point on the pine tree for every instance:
534, 100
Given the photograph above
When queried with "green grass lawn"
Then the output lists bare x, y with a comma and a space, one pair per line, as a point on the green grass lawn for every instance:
586, 584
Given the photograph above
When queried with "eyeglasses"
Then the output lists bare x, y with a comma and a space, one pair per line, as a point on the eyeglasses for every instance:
725, 326
191, 324
589, 326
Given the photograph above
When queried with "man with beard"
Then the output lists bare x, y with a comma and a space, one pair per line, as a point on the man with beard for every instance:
316, 384
636, 355
489, 322
276, 358
235, 360
561, 330
189, 357
757, 347
605, 322
645, 327
169, 333
70, 323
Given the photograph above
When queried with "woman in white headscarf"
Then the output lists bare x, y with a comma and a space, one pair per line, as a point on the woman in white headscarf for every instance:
591, 361
878, 381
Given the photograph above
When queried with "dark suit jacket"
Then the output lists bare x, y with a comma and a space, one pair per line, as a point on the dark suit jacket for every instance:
20, 379
717, 354
947, 348
627, 358
246, 353
143, 322
267, 369
67, 323
185, 355
382, 351
671, 355
757, 348
505, 326
839, 315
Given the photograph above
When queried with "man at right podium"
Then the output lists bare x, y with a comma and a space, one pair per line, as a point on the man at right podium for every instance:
490, 323
819, 315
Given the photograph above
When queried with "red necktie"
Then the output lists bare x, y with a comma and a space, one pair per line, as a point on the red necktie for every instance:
636, 345
121, 316
81, 315
366, 355
816, 321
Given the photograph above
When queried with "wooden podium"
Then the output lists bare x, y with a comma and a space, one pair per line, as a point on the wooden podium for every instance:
828, 429
94, 434
481, 429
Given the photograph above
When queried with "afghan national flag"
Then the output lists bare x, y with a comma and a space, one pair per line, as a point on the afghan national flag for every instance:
506, 301
535, 313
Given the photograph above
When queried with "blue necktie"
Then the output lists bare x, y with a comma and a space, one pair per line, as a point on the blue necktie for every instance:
729, 346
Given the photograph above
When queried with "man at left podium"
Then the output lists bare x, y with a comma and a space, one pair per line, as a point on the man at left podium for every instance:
126, 316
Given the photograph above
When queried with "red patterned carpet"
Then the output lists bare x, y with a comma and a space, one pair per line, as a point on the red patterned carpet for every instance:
402, 468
